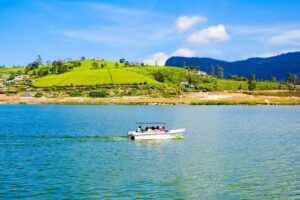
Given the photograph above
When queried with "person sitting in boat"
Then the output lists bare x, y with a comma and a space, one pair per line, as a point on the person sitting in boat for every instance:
163, 129
139, 129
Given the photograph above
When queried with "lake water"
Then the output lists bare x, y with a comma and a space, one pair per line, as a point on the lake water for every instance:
80, 152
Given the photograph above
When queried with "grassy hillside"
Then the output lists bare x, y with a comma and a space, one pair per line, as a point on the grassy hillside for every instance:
84, 77
106, 73
11, 70
95, 73
233, 85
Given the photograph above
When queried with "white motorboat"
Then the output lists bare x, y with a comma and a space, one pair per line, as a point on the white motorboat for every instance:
155, 132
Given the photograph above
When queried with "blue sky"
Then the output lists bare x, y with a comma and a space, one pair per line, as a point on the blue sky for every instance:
148, 30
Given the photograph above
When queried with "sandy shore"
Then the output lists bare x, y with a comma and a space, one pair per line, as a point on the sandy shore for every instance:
198, 98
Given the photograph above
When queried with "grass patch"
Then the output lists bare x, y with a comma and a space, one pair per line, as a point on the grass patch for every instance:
83, 76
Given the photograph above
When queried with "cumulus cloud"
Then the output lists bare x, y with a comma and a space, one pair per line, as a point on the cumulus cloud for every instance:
291, 37
160, 58
185, 52
212, 34
184, 23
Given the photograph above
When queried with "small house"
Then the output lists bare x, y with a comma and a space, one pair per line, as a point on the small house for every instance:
20, 77
202, 73
186, 84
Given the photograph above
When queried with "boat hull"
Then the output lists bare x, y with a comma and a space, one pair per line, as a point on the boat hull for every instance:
172, 134
157, 137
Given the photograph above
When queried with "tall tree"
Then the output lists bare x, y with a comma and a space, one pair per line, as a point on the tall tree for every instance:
252, 83
39, 60
212, 70
292, 78
95, 65
220, 72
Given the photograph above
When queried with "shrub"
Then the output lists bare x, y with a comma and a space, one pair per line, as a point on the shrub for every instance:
99, 93
38, 94
43, 71
158, 76
75, 94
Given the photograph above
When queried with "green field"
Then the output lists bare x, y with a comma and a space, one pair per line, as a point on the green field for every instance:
232, 85
85, 77
11, 70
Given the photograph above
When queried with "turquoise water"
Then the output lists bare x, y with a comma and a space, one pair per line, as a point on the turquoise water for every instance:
80, 152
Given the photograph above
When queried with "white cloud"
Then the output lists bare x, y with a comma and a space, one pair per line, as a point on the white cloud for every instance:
184, 52
160, 58
291, 37
212, 34
184, 23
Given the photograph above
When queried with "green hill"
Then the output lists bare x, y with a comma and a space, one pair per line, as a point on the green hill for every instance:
89, 77
100, 72
11, 70
104, 73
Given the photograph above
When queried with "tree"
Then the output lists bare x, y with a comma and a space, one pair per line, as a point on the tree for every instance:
189, 76
31, 66
292, 78
95, 65
43, 71
220, 72
39, 60
102, 65
212, 70
252, 83
34, 65
240, 87
122, 60
274, 79
58, 67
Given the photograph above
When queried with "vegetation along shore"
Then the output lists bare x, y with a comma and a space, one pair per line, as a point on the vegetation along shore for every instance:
98, 81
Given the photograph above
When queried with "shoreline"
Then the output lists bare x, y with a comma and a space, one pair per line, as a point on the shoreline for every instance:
195, 98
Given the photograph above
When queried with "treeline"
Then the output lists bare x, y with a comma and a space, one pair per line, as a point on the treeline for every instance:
38, 68
292, 79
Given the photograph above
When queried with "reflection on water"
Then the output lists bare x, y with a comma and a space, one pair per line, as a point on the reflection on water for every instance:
82, 152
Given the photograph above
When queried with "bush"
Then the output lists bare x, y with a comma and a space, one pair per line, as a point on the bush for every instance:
75, 94
99, 93
38, 94
158, 76
42, 71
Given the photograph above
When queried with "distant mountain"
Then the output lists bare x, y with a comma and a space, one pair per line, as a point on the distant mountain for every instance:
264, 68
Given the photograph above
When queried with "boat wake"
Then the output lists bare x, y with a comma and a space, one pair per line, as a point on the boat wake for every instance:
79, 138
104, 138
